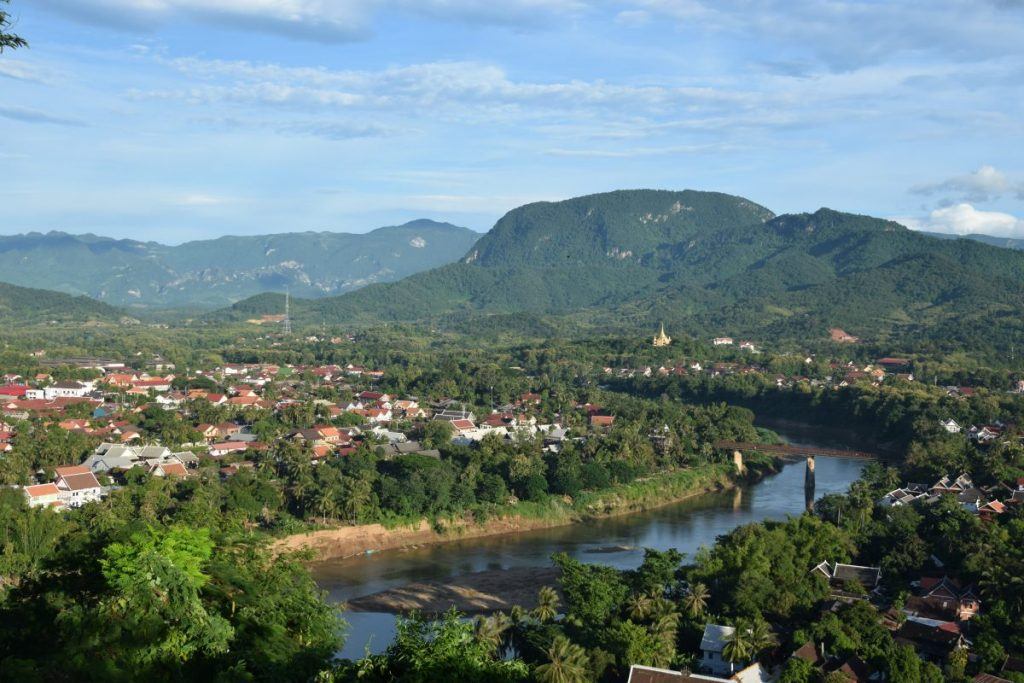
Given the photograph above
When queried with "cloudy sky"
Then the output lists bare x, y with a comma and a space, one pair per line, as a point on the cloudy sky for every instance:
178, 119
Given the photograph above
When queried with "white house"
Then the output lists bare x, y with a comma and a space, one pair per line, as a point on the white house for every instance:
722, 341
951, 426
77, 485
712, 644
67, 389
43, 495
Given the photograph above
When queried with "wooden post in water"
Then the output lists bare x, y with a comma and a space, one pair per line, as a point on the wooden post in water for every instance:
809, 483
737, 459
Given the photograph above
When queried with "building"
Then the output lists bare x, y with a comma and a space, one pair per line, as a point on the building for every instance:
77, 485
662, 339
43, 495
712, 645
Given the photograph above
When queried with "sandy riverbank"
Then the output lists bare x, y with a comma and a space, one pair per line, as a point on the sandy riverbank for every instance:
476, 593
342, 542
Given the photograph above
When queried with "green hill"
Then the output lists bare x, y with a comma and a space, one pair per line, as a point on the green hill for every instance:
212, 273
704, 263
28, 305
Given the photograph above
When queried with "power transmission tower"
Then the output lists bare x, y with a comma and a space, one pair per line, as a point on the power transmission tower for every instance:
286, 324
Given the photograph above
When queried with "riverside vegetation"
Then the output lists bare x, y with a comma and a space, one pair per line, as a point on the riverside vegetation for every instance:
225, 608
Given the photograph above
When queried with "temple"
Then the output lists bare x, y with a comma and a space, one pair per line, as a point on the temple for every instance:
662, 339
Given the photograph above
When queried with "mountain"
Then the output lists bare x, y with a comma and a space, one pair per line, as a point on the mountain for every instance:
27, 305
705, 263
211, 273
1005, 242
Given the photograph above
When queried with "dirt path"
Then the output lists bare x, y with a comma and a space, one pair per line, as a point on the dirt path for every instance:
477, 593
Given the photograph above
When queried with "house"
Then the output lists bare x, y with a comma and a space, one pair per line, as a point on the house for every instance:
712, 644
853, 668
168, 469
842, 575
951, 426
933, 642
43, 495
722, 341
943, 600
68, 389
218, 450
902, 496
638, 673
77, 485
602, 421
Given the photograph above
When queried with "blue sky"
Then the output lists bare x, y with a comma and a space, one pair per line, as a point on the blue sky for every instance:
181, 119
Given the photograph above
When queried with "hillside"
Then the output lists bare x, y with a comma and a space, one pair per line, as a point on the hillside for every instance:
218, 272
27, 305
704, 263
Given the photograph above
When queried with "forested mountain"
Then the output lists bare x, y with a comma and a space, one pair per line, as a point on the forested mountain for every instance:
705, 262
24, 304
1006, 242
218, 272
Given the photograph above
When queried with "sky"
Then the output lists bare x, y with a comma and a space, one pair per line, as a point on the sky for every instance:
172, 120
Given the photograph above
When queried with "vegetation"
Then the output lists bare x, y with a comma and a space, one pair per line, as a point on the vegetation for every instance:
212, 273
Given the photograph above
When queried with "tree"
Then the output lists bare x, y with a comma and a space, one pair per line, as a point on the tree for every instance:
547, 604
154, 609
739, 647
567, 663
696, 599
9, 40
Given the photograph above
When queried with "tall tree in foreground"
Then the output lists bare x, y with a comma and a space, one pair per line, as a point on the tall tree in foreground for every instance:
8, 40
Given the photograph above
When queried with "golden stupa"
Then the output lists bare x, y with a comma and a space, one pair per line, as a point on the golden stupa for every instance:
662, 339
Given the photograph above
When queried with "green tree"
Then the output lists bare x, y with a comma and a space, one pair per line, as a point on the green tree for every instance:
567, 663
696, 599
547, 604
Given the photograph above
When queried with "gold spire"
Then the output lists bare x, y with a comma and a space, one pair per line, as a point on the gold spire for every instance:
662, 339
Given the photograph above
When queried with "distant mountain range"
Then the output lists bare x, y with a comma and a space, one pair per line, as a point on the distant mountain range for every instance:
214, 273
1005, 242
703, 262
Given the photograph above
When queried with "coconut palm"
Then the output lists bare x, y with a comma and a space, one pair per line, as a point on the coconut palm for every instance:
638, 607
567, 663
738, 647
761, 636
696, 600
490, 631
547, 604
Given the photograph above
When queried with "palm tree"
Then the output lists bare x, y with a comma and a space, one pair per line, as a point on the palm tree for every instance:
567, 663
490, 631
738, 648
547, 604
761, 636
638, 607
696, 601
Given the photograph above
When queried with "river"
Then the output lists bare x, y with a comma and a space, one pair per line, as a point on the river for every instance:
685, 526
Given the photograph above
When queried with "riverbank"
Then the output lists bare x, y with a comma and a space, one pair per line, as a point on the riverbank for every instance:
644, 494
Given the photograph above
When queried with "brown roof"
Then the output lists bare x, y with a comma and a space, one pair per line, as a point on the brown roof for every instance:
40, 490
80, 482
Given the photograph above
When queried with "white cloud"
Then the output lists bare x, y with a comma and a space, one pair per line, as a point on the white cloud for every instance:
964, 219
982, 185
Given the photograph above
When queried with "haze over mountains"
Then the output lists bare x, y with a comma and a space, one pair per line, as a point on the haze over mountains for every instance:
213, 273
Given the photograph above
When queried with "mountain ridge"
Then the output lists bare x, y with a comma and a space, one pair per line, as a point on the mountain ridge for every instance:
219, 271
703, 262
